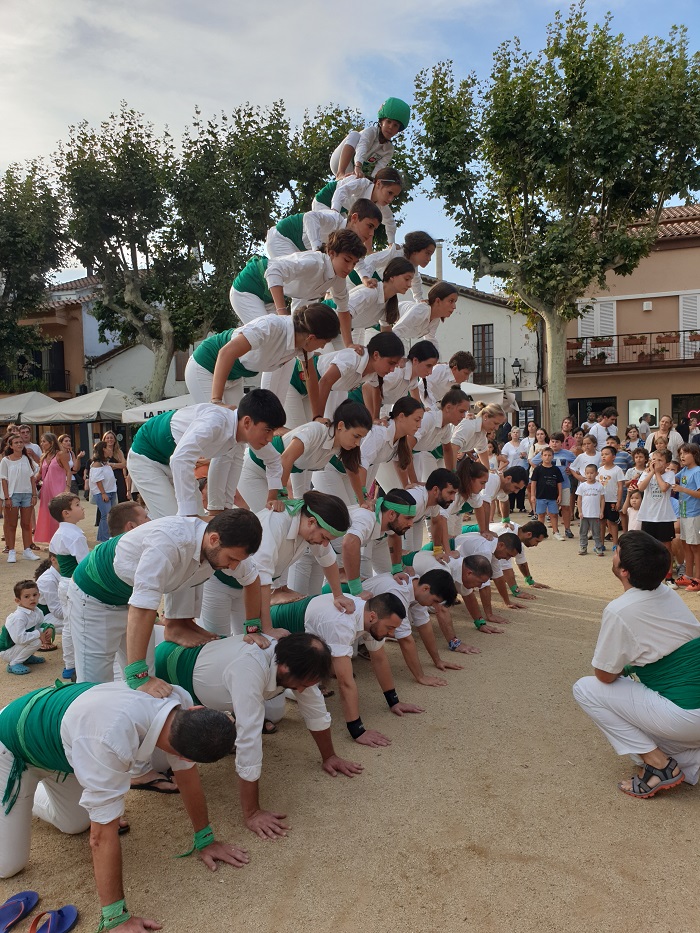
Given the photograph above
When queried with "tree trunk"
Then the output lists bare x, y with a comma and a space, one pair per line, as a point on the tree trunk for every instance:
162, 358
557, 399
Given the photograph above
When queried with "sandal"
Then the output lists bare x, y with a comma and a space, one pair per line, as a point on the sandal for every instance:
667, 780
269, 728
59, 921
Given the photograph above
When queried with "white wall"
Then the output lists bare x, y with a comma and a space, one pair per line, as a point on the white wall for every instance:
130, 371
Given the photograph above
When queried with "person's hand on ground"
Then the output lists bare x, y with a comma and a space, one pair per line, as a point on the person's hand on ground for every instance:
336, 765
399, 709
267, 825
217, 852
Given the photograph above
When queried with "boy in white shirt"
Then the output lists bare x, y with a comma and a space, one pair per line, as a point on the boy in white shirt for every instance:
590, 500
69, 545
656, 512
24, 630
611, 478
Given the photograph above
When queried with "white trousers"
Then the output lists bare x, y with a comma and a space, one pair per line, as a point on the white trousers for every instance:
99, 637
155, 484
278, 245
352, 139
199, 381
248, 307
636, 720
64, 626
297, 408
41, 794
424, 464
278, 381
17, 654
334, 483
254, 489
223, 608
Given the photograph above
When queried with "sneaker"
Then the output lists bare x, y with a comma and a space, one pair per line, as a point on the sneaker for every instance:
694, 586
12, 559
599, 551
582, 552
569, 533
68, 673
682, 580
559, 536
28, 554
670, 582
614, 548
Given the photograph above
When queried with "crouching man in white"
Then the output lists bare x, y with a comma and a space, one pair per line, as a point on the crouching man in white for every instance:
233, 675
650, 632
65, 756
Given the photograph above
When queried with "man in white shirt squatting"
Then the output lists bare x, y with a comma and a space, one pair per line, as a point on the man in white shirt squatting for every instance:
66, 754
230, 675
369, 623
651, 633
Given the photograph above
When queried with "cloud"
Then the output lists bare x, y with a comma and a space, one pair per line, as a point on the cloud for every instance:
63, 62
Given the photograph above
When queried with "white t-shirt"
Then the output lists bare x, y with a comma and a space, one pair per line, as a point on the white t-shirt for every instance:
271, 339
656, 505
415, 324
18, 474
600, 433
104, 475
307, 277
516, 453
340, 630
642, 626
366, 306
608, 479
351, 366
582, 461
590, 499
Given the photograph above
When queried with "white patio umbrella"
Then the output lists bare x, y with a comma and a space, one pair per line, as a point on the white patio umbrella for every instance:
14, 406
103, 405
144, 412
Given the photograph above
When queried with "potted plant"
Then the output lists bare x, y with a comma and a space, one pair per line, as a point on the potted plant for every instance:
696, 355
668, 338
600, 359
574, 343
602, 342
577, 362
694, 336
632, 340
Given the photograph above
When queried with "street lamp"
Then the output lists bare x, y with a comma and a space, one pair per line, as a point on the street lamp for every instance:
517, 369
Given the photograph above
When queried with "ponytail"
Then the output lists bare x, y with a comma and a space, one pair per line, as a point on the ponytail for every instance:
416, 242
405, 406
439, 292
467, 471
420, 352
331, 509
319, 320
397, 266
385, 344
352, 415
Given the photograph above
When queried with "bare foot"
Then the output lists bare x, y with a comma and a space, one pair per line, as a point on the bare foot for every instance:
187, 633
283, 595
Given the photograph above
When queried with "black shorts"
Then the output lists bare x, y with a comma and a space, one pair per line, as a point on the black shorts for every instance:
610, 512
662, 531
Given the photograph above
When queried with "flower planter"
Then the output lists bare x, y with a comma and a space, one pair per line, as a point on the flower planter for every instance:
696, 355
574, 366
651, 357
694, 337
668, 338
574, 344
634, 341
605, 342
597, 364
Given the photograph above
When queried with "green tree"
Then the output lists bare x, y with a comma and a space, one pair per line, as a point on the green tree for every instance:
31, 245
545, 166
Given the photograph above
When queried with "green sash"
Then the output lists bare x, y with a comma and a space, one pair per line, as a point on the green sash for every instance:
44, 608
208, 350
290, 615
278, 443
298, 380
437, 452
676, 677
429, 545
66, 564
30, 728
175, 665
468, 529
466, 509
252, 279
227, 580
355, 395
337, 463
6, 641
154, 439
95, 575
292, 227
325, 195
356, 279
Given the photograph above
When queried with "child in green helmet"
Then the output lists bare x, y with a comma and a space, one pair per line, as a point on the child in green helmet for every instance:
364, 153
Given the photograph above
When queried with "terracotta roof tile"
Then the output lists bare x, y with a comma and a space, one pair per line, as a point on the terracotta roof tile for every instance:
680, 221
76, 284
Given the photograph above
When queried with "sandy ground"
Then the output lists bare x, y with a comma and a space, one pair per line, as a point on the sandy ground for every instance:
495, 810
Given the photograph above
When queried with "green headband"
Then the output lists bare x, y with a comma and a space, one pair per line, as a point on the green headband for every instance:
294, 506
401, 507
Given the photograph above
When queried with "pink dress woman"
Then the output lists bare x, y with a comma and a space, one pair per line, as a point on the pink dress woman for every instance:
53, 482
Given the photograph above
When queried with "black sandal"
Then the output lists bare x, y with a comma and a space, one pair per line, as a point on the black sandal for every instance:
667, 780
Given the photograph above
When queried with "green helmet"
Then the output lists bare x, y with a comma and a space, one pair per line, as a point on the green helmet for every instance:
394, 108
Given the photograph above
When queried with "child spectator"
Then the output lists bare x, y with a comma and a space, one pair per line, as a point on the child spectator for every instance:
631, 510
103, 488
70, 546
589, 455
365, 152
24, 631
591, 505
18, 476
623, 458
47, 578
633, 438
545, 491
687, 485
640, 456
562, 459
656, 512
611, 478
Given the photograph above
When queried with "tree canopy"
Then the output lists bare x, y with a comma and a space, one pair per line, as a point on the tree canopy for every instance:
545, 165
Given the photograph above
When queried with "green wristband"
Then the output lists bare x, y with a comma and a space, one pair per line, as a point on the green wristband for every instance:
283, 493
397, 568
113, 915
252, 626
355, 587
478, 623
515, 589
529, 581
202, 839
136, 674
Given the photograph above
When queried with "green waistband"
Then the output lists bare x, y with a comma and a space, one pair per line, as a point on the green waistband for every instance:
290, 615
437, 452
95, 575
278, 443
676, 677
298, 380
175, 665
66, 564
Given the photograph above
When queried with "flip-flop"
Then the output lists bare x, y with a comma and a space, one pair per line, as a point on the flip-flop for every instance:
269, 731
17, 907
151, 786
49, 648
60, 921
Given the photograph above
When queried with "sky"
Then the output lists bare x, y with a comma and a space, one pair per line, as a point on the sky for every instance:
66, 61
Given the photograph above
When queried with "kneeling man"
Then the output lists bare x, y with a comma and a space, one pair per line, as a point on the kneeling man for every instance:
651, 633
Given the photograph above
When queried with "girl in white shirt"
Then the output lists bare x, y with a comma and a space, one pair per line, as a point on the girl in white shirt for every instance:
432, 448
405, 380
341, 195
347, 370
370, 306
268, 345
367, 152
418, 247
311, 447
103, 488
18, 478
420, 320
656, 512
446, 376
473, 477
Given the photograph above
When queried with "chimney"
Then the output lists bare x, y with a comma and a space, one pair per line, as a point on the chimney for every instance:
438, 259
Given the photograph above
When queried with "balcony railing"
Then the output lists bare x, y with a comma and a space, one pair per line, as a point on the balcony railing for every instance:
45, 380
669, 348
491, 372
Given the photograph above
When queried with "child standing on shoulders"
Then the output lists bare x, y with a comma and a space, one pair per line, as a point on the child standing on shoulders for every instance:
365, 152
24, 631
70, 546
545, 491
687, 485
590, 501
656, 513
611, 478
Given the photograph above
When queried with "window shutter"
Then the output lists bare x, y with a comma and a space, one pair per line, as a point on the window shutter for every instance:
586, 324
689, 319
606, 318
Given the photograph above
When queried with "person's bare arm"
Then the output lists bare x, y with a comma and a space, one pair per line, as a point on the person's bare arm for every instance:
604, 676
225, 359
291, 454
325, 387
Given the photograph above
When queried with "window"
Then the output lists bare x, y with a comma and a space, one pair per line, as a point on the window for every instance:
600, 321
482, 341
689, 320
